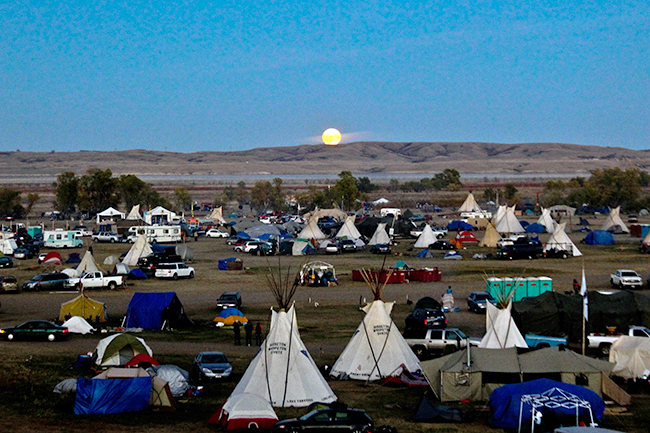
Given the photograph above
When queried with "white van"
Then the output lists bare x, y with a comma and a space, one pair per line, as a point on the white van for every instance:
389, 210
158, 233
61, 239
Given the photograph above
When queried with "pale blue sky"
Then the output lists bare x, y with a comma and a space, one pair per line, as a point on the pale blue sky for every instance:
232, 75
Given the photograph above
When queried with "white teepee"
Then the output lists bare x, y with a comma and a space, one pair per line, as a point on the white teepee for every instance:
217, 215
613, 220
87, 264
491, 237
376, 349
426, 238
348, 230
547, 221
140, 248
311, 231
500, 329
380, 236
470, 205
508, 223
134, 215
283, 372
559, 240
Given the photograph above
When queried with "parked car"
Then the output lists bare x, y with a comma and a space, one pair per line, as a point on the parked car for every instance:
85, 231
229, 299
477, 301
380, 249
425, 342
174, 270
247, 246
34, 329
51, 281
41, 257
330, 419
216, 233
148, 264
426, 318
263, 249
348, 246
106, 237
333, 248
233, 240
22, 253
442, 245
211, 365
6, 262
521, 250
8, 283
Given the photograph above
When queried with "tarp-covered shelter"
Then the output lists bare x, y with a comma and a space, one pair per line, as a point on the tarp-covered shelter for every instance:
631, 356
73, 258
140, 248
614, 223
104, 396
177, 378
186, 253
283, 371
560, 241
85, 307
429, 412
599, 237
245, 411
78, 325
514, 406
223, 264
110, 213
459, 225
377, 349
118, 349
156, 311
320, 213
535, 228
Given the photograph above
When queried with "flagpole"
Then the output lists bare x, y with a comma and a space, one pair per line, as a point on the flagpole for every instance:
584, 330
583, 292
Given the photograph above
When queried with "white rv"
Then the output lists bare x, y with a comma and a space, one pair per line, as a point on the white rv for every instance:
61, 239
390, 211
158, 233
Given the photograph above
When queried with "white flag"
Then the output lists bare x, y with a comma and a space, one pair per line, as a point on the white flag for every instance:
585, 298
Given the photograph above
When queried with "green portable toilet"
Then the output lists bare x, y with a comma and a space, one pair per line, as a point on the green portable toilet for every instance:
533, 286
545, 285
493, 286
521, 289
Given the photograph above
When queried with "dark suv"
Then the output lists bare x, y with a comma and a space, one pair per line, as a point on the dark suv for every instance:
334, 419
521, 249
229, 299
148, 264
53, 281
426, 318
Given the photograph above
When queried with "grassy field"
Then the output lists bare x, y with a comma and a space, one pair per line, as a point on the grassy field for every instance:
327, 318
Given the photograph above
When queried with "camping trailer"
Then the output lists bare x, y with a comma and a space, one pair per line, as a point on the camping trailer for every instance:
158, 233
61, 239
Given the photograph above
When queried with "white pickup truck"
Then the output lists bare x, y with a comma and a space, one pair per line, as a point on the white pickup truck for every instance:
626, 278
94, 280
603, 342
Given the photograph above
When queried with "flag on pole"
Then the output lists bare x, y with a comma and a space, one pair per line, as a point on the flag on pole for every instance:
583, 292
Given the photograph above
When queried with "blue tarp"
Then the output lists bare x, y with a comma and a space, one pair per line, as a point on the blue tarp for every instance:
112, 395
230, 311
151, 310
459, 225
524, 224
599, 237
423, 254
74, 258
137, 273
223, 263
505, 403
157, 248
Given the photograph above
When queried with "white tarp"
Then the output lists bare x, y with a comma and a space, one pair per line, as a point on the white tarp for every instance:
284, 369
631, 356
376, 349
78, 325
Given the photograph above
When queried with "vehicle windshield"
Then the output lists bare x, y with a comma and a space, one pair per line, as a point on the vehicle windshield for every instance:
228, 298
214, 358
483, 297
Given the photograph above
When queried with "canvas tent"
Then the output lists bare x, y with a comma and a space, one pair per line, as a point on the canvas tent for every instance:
491, 237
311, 231
283, 372
514, 406
631, 356
134, 215
348, 230
217, 215
614, 223
155, 311
186, 253
118, 349
470, 204
320, 213
380, 236
427, 411
111, 260
500, 329
84, 307
110, 213
88, 264
377, 349
426, 238
560, 241
245, 411
140, 248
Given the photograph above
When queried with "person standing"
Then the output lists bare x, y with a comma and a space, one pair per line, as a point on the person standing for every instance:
237, 328
248, 327
258, 334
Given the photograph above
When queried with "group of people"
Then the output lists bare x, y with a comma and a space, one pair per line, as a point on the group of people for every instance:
248, 330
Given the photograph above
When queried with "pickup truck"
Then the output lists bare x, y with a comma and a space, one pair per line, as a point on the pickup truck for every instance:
541, 341
425, 342
94, 280
603, 342
626, 278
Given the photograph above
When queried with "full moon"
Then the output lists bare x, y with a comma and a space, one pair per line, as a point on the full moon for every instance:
331, 136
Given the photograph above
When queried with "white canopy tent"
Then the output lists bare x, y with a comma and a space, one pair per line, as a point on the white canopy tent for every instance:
110, 213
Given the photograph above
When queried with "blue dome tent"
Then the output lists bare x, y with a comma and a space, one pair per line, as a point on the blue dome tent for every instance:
599, 237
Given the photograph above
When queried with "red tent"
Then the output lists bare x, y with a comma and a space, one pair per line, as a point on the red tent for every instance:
466, 237
245, 411
141, 358
52, 258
